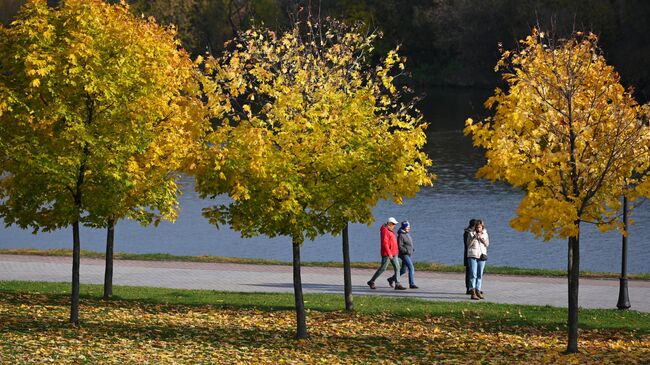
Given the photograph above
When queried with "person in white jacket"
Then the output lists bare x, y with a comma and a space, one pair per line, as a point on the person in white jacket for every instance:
477, 244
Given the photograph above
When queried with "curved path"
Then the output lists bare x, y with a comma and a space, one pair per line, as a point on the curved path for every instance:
594, 293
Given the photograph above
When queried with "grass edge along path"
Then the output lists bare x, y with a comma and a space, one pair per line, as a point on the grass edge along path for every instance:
420, 266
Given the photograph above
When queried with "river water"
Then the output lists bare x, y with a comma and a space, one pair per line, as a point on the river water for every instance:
437, 214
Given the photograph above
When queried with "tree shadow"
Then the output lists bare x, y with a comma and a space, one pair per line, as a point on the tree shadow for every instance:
364, 290
207, 335
211, 335
488, 321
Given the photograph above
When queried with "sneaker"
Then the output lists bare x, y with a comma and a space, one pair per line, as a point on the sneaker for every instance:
469, 291
371, 285
399, 286
414, 286
390, 281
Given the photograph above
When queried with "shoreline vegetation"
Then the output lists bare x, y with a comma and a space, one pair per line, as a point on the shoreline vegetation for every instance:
419, 266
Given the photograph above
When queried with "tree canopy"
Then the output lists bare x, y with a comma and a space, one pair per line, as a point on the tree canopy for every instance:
311, 136
90, 85
567, 132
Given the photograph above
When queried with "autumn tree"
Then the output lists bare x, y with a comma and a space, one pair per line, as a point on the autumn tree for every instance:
310, 136
571, 137
97, 107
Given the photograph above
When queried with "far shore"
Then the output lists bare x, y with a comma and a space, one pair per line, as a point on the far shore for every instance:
421, 266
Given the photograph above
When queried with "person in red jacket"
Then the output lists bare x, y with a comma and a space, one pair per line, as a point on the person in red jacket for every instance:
389, 252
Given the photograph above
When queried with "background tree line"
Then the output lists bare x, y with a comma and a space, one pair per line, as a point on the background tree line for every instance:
447, 42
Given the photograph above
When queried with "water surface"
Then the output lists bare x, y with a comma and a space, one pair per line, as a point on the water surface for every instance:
438, 216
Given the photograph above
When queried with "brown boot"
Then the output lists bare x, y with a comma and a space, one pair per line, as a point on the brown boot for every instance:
479, 294
399, 286
474, 296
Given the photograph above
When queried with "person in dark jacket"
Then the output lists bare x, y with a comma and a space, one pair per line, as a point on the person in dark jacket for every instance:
405, 246
470, 228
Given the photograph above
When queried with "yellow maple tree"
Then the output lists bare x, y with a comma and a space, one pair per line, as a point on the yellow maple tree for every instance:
98, 110
311, 135
570, 136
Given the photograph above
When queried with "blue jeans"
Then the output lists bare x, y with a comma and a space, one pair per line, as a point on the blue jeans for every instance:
407, 263
476, 268
384, 264
468, 271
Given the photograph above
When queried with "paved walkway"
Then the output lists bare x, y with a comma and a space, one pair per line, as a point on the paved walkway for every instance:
269, 278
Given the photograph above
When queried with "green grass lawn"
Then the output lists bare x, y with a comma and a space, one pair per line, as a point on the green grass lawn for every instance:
421, 266
170, 326
491, 314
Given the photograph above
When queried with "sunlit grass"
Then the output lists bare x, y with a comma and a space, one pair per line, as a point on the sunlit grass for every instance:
167, 326
491, 314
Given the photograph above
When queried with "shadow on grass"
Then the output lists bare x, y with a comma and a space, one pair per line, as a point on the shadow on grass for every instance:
211, 335
364, 290
491, 317
206, 334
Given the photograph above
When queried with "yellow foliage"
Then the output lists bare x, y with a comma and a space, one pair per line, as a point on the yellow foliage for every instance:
310, 137
565, 132
108, 93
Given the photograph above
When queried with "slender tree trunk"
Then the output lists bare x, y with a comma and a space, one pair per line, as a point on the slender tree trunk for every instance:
76, 245
347, 273
623, 295
108, 273
301, 321
574, 276
76, 251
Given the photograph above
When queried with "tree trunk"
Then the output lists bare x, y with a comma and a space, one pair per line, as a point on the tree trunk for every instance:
574, 276
347, 273
623, 295
76, 242
108, 273
301, 322
76, 251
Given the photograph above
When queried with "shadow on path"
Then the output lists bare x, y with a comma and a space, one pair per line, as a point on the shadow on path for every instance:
364, 290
